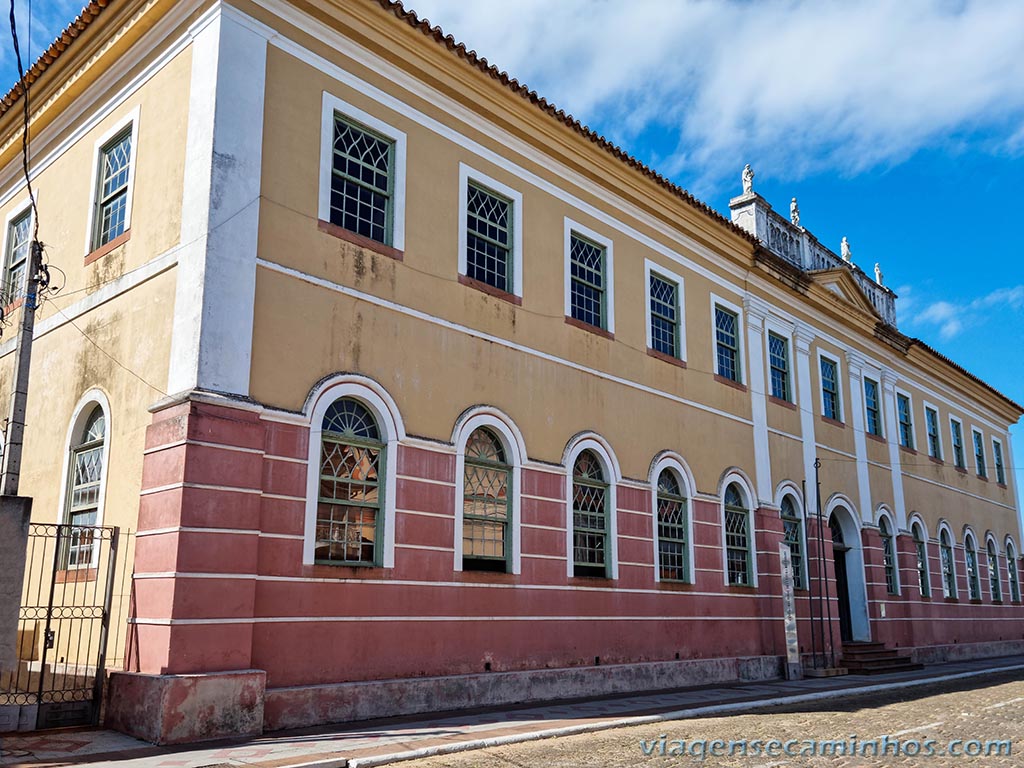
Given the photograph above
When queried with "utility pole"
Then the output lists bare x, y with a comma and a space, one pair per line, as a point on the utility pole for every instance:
19, 392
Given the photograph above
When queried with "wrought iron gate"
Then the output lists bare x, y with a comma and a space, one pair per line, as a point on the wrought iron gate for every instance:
63, 626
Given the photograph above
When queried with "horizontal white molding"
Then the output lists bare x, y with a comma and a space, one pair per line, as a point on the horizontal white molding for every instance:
428, 619
194, 529
427, 481
532, 556
424, 548
180, 575
957, 490
421, 513
283, 497
645, 539
556, 528
285, 459
541, 498
201, 486
205, 444
286, 536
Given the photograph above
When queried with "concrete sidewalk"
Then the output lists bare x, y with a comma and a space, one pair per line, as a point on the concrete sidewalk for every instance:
381, 742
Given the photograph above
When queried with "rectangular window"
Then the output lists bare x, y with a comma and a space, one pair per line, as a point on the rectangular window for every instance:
112, 189
664, 316
997, 458
874, 416
830, 389
362, 181
979, 453
957, 433
778, 363
588, 284
737, 543
906, 422
488, 237
19, 236
727, 343
931, 422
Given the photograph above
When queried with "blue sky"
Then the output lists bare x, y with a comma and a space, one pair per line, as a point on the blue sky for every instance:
897, 125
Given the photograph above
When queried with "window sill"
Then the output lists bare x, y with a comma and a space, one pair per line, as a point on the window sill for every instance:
1002, 485
983, 478
356, 239
936, 460
976, 601
75, 575
910, 451
490, 290
16, 304
741, 589
877, 438
342, 572
588, 327
833, 422
582, 581
486, 577
674, 585
951, 599
667, 358
106, 248
961, 470
783, 403
730, 383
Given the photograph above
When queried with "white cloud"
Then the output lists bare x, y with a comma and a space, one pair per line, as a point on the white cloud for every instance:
791, 85
951, 319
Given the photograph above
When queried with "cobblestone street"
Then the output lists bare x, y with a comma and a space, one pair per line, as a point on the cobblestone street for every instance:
987, 710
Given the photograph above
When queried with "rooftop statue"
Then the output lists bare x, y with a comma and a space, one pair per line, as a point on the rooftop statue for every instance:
794, 213
844, 249
878, 274
748, 179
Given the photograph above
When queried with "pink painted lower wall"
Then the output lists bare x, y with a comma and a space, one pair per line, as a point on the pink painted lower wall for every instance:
220, 583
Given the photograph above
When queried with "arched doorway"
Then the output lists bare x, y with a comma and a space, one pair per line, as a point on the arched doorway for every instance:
848, 559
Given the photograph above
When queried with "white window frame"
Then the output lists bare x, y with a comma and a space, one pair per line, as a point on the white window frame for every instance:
883, 512
674, 462
389, 422
570, 227
652, 268
916, 519
963, 442
785, 332
910, 409
94, 397
467, 174
332, 104
132, 119
938, 430
1002, 455
969, 534
613, 476
748, 490
515, 452
16, 213
990, 540
1012, 571
876, 377
788, 488
974, 453
944, 526
837, 359
741, 351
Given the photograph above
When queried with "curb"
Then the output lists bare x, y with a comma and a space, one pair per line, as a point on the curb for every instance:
679, 714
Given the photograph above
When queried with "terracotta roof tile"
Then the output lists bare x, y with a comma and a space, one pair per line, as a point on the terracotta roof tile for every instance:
57, 47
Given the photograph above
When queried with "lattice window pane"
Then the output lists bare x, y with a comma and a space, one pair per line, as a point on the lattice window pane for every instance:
350, 419
485, 509
948, 571
727, 344
590, 518
664, 316
931, 419
830, 389
979, 454
906, 427
792, 529
19, 237
737, 545
973, 583
958, 444
994, 583
871, 405
921, 549
112, 200
1011, 571
587, 276
997, 458
362, 181
488, 237
672, 529
778, 359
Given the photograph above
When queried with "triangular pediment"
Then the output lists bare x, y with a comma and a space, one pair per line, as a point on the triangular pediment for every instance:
841, 284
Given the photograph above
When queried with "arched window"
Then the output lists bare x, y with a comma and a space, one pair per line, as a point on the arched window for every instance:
737, 537
921, 549
83, 496
888, 556
971, 557
352, 456
672, 529
486, 504
993, 572
590, 549
948, 565
792, 529
1011, 572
